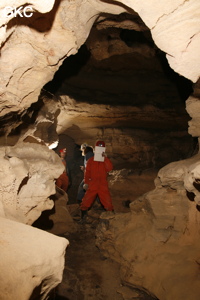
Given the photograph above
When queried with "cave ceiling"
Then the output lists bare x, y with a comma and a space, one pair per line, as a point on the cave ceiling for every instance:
119, 78
116, 76
120, 59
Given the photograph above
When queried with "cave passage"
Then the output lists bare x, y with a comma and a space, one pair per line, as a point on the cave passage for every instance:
123, 63
90, 275
118, 68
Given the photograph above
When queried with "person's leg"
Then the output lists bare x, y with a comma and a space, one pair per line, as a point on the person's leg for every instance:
59, 182
105, 198
83, 217
88, 199
81, 192
65, 182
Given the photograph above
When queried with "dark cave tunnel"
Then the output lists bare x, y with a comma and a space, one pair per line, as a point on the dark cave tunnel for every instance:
136, 75
84, 60
81, 68
101, 74
86, 79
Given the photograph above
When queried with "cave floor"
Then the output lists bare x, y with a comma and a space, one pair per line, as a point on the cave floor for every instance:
87, 274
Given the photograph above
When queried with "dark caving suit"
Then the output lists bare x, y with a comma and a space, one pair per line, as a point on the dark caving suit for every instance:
81, 191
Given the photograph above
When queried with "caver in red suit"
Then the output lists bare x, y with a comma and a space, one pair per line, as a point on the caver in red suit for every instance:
63, 181
96, 178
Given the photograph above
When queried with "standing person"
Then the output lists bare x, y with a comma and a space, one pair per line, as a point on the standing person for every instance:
63, 181
83, 146
87, 153
95, 179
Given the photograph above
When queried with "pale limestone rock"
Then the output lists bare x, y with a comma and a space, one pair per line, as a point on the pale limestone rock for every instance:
44, 129
193, 109
182, 175
184, 39
60, 216
27, 180
173, 31
192, 180
174, 174
37, 5
35, 64
127, 185
39, 61
27, 176
151, 11
32, 261
69, 26
157, 244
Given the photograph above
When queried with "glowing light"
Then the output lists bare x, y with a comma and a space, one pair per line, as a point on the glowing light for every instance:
53, 145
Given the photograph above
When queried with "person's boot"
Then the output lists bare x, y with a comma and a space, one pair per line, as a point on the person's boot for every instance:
83, 216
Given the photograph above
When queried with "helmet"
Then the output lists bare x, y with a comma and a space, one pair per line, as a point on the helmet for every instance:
64, 150
83, 146
100, 144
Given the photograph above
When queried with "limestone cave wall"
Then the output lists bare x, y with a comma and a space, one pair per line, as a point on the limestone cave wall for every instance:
157, 240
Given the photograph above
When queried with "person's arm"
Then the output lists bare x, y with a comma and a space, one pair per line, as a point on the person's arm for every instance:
108, 164
87, 174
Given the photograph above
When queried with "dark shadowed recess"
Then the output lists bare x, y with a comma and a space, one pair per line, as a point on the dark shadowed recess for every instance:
84, 68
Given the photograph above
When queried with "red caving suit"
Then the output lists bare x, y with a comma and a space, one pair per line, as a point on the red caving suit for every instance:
63, 181
96, 178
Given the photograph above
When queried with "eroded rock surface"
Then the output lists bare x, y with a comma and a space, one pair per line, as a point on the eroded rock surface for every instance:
67, 25
27, 174
30, 172
32, 261
157, 243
